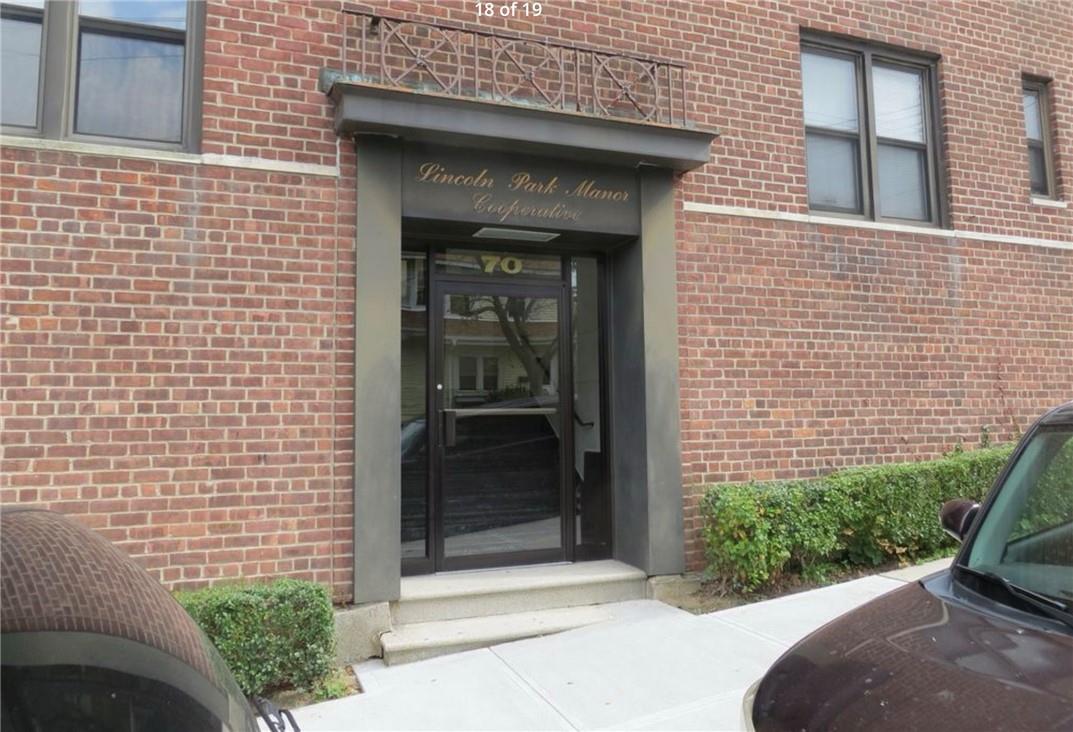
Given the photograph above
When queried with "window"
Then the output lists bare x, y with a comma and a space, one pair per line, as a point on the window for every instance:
110, 71
413, 280
1037, 132
467, 373
460, 305
20, 62
474, 370
55, 695
870, 141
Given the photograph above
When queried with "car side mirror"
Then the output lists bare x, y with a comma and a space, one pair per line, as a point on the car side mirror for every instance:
956, 517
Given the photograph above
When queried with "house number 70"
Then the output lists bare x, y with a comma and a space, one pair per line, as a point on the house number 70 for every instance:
508, 265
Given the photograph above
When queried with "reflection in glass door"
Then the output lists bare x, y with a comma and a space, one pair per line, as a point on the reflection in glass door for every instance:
414, 431
501, 434
503, 431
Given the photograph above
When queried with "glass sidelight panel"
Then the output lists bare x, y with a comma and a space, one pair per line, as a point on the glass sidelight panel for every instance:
502, 424
414, 402
592, 499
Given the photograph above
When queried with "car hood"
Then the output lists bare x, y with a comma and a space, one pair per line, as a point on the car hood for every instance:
922, 657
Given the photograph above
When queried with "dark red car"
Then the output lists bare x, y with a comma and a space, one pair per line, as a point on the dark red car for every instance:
89, 642
985, 645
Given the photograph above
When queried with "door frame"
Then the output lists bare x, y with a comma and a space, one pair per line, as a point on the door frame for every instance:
435, 282
644, 358
440, 287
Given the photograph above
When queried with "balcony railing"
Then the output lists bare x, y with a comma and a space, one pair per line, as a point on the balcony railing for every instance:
496, 67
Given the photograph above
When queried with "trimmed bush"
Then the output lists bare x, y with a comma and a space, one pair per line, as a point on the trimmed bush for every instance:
758, 532
271, 635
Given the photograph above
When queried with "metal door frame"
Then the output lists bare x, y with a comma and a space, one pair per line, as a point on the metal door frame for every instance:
440, 286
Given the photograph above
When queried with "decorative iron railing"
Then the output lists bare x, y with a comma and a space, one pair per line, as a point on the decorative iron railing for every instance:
486, 66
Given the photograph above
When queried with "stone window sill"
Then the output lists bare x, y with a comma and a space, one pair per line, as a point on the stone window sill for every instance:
1052, 202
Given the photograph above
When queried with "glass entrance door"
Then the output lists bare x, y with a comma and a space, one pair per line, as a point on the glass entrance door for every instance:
501, 428
504, 445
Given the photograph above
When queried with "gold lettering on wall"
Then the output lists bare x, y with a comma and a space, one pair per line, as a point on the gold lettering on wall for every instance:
588, 189
436, 173
485, 203
525, 194
522, 181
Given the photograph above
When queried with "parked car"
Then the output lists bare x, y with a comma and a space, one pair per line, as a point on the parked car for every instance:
985, 645
90, 642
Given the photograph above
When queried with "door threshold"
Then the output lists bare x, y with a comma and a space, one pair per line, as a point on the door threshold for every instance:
508, 580
498, 569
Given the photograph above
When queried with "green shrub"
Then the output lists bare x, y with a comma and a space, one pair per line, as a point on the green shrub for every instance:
757, 532
271, 635
747, 545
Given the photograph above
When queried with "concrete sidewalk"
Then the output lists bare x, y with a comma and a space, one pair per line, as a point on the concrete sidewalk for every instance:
652, 667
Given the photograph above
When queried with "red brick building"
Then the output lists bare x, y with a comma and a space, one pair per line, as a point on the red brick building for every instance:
871, 261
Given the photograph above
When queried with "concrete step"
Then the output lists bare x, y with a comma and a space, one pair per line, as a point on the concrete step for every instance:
418, 641
456, 595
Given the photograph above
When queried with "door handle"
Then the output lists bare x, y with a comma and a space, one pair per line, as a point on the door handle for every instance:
451, 417
498, 412
580, 421
450, 431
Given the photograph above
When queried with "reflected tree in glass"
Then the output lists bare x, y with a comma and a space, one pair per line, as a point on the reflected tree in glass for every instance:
516, 317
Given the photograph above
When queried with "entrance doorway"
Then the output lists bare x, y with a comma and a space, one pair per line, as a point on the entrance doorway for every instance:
503, 458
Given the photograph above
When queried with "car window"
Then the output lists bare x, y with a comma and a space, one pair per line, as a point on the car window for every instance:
1051, 504
91, 698
1026, 536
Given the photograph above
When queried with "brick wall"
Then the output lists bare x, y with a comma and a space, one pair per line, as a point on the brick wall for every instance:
260, 82
178, 339
177, 360
806, 348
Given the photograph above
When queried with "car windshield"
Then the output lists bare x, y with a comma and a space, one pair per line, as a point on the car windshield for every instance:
1026, 537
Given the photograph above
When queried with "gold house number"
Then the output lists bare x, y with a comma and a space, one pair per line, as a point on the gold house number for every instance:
507, 265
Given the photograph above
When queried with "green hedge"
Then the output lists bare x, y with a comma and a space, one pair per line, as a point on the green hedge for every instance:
758, 532
271, 635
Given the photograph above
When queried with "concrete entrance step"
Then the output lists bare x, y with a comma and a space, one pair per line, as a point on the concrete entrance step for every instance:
418, 641
456, 595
